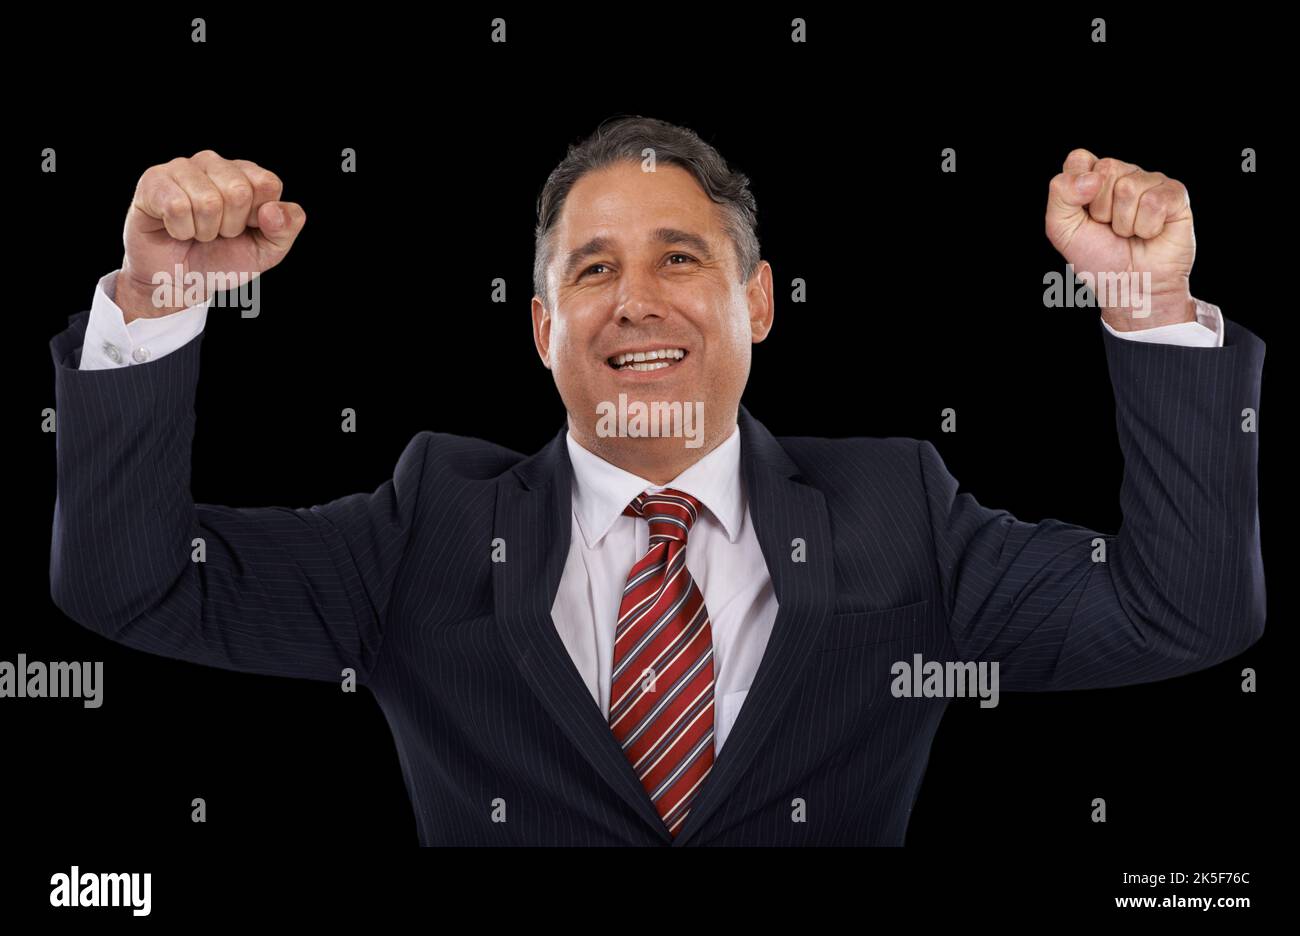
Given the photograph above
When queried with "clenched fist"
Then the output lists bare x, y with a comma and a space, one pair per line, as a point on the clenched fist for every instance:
208, 215
1106, 216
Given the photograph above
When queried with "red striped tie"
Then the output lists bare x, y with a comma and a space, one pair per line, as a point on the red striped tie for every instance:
661, 687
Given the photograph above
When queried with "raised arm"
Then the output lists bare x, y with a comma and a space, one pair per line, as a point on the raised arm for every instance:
274, 590
1181, 585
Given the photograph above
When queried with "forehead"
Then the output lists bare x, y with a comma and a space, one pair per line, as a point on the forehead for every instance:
623, 201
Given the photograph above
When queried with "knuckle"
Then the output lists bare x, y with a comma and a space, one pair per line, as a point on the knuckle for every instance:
206, 154
176, 207
268, 181
240, 193
207, 203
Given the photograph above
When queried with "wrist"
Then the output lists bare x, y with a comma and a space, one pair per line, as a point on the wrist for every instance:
1158, 312
136, 299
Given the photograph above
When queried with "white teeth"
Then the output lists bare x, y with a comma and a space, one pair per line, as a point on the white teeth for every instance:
640, 357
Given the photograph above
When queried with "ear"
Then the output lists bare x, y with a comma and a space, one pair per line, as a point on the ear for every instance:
759, 296
542, 331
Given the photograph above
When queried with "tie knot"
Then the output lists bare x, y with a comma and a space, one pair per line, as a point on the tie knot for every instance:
670, 513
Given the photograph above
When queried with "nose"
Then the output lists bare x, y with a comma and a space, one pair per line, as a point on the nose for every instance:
639, 299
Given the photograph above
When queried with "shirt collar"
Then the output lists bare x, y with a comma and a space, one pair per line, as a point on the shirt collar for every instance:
602, 489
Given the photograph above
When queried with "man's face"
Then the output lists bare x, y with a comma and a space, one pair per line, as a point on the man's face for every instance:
642, 264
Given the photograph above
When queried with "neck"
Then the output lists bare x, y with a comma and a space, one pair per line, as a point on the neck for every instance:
657, 460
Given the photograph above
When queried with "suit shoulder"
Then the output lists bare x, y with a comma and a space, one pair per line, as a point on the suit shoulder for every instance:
835, 460
451, 482
458, 456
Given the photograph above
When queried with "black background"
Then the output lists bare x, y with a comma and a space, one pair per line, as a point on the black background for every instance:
384, 305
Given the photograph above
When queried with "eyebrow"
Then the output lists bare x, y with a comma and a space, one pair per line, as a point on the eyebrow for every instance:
663, 235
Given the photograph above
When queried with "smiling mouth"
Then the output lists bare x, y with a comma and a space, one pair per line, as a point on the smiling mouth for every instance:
657, 359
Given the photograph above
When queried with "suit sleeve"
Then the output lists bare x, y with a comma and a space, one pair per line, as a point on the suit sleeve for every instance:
299, 592
1179, 588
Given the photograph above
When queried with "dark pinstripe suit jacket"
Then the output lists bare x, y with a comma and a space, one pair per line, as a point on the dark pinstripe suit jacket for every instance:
482, 698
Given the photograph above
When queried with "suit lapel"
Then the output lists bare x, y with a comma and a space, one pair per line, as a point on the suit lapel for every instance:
782, 510
534, 520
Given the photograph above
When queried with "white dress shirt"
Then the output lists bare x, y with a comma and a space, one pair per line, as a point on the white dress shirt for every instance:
722, 554
722, 551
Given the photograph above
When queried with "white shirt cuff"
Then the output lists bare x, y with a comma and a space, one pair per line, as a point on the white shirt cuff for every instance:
1205, 332
111, 342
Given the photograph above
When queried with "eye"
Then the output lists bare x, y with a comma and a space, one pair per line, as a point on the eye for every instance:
686, 256
590, 268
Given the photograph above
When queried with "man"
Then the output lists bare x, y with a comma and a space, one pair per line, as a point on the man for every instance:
685, 637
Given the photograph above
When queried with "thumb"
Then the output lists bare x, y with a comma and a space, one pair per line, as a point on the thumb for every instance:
1067, 197
278, 225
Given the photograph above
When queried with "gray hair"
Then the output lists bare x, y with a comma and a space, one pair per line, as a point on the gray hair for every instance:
623, 139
